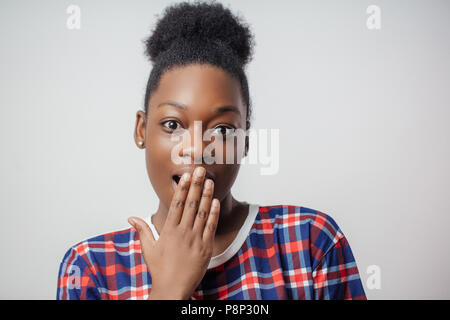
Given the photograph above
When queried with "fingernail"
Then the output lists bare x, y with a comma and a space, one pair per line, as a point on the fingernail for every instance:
208, 183
200, 171
185, 176
132, 221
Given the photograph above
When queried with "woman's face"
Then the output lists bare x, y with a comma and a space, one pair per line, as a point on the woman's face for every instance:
200, 92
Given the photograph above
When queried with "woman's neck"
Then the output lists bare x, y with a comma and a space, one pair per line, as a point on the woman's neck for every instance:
230, 217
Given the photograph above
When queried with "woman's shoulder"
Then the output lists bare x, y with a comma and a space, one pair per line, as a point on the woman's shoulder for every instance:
87, 264
286, 215
121, 241
299, 227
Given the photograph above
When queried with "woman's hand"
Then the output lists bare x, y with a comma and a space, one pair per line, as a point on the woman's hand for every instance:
179, 259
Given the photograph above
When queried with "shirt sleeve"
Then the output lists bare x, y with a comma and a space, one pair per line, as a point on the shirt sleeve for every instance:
75, 279
336, 277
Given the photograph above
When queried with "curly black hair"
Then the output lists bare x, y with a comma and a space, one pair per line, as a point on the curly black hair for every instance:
204, 33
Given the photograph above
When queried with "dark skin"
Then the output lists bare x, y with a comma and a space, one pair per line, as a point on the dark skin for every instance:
202, 90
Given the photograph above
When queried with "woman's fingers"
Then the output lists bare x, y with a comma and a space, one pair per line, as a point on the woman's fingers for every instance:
193, 198
178, 200
204, 207
211, 223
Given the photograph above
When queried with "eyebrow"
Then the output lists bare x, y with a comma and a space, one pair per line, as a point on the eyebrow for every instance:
219, 110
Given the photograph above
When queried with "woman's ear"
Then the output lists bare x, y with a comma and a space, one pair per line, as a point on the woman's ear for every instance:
140, 128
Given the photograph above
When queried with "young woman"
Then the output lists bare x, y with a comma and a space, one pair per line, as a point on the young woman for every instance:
202, 243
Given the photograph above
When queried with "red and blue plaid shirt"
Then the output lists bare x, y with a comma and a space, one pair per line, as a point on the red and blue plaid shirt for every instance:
291, 252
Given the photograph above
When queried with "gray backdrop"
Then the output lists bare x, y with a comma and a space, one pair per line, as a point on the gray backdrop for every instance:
362, 116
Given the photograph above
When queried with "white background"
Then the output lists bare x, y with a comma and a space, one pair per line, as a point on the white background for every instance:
363, 118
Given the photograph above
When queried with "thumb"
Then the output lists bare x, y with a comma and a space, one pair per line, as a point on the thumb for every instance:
143, 230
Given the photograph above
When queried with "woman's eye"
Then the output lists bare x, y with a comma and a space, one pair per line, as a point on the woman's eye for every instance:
171, 124
223, 130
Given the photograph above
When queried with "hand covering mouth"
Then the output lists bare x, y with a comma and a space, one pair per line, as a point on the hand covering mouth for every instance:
177, 177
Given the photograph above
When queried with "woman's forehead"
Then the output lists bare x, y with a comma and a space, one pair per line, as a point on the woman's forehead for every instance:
197, 85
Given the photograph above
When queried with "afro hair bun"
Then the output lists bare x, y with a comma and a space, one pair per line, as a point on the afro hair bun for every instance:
198, 22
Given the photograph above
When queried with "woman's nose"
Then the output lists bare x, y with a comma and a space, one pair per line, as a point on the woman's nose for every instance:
193, 144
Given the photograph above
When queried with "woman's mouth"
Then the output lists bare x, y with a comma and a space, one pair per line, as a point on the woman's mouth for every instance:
176, 180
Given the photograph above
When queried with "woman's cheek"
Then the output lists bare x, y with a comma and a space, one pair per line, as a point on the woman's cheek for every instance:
225, 179
229, 151
159, 166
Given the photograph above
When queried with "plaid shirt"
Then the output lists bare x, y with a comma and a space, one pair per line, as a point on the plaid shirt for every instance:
291, 252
